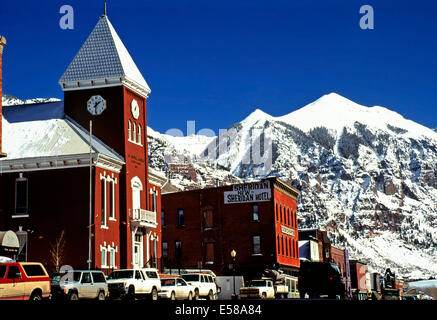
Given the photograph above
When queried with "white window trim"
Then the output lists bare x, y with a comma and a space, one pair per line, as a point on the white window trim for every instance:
112, 250
112, 215
105, 211
133, 134
129, 129
105, 250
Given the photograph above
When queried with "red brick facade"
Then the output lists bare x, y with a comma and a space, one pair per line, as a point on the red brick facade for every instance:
211, 229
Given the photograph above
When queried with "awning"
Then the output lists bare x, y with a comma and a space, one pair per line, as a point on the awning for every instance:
8, 242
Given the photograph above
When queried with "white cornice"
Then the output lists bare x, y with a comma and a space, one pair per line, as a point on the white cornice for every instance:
60, 162
157, 180
105, 83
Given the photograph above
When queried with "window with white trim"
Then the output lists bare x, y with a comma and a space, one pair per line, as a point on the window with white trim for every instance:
153, 193
129, 130
134, 132
137, 186
104, 253
111, 199
103, 202
139, 134
112, 263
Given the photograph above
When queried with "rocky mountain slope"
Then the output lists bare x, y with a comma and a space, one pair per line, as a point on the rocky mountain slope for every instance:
367, 175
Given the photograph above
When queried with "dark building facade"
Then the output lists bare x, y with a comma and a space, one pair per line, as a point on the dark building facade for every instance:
257, 220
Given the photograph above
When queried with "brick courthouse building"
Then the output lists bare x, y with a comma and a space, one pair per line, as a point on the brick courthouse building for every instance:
49, 178
258, 220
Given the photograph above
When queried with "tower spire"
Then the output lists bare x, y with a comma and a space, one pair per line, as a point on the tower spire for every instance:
104, 9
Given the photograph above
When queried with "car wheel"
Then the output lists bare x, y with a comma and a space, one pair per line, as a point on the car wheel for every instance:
101, 296
302, 294
73, 296
196, 294
35, 296
154, 294
210, 295
190, 296
131, 293
173, 296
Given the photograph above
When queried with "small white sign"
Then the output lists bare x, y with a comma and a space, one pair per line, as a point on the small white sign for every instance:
287, 231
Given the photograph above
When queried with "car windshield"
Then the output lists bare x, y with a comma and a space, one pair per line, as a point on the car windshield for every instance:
167, 282
122, 274
56, 278
190, 277
257, 283
335, 267
66, 276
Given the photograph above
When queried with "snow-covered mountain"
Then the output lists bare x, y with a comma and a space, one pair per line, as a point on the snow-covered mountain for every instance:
366, 174
8, 100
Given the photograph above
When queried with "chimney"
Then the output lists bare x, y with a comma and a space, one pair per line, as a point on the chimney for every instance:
2, 44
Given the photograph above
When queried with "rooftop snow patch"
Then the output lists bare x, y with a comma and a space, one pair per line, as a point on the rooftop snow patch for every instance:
42, 130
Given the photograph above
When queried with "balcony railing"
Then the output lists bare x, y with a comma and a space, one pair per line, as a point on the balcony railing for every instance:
145, 218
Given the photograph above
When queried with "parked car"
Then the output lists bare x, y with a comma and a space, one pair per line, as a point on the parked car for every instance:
176, 289
320, 278
131, 283
263, 289
204, 285
23, 281
79, 284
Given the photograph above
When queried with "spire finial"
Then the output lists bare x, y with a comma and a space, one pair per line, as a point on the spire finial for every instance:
104, 11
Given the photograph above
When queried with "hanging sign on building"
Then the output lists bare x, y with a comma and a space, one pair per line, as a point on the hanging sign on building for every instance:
249, 192
287, 231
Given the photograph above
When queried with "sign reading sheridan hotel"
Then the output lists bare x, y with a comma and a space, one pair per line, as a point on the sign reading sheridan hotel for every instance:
249, 192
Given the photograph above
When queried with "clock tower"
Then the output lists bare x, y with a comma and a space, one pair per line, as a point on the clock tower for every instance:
103, 85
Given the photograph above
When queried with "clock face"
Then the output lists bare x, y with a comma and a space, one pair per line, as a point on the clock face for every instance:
96, 105
135, 109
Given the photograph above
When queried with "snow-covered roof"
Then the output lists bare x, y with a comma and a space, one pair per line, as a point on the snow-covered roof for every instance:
103, 60
44, 131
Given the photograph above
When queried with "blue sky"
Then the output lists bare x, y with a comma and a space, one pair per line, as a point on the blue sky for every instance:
216, 61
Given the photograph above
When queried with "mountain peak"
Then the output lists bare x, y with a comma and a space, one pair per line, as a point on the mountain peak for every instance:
257, 115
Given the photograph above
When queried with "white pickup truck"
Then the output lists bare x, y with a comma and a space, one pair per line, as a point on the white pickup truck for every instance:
263, 289
131, 283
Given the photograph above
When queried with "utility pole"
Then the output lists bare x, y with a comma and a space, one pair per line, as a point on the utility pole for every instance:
91, 203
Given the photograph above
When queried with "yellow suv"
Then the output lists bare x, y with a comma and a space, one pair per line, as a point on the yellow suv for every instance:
23, 281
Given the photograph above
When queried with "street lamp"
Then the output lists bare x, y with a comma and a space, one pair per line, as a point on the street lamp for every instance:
233, 255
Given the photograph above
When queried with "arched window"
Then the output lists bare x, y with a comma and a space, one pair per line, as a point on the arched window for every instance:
129, 130
139, 134
136, 186
134, 132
